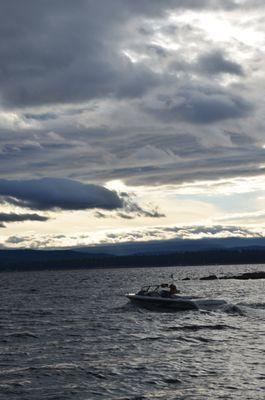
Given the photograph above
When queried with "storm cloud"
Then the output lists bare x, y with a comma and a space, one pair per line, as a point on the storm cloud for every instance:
215, 62
200, 105
67, 194
68, 52
63, 194
13, 217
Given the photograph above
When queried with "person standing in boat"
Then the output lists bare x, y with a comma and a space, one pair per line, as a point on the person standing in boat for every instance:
172, 289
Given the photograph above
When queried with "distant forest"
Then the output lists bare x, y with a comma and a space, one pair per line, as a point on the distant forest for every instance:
26, 260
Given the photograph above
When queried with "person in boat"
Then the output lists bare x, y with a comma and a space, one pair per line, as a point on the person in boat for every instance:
172, 289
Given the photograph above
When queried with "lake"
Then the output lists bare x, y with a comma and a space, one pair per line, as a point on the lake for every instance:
74, 335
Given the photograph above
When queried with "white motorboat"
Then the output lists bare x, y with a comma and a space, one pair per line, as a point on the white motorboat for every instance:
162, 297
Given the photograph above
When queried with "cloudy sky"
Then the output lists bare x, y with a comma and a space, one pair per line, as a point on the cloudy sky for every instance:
131, 120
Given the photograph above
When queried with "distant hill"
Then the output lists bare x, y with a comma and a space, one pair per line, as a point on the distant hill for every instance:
173, 245
151, 254
11, 260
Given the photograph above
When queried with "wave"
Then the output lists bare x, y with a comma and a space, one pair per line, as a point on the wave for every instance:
260, 306
128, 307
253, 311
134, 398
234, 309
21, 335
150, 338
195, 327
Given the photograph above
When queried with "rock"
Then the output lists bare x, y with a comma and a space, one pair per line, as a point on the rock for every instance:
244, 276
208, 278
251, 275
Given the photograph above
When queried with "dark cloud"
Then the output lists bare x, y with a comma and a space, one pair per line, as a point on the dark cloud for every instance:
157, 7
134, 210
210, 63
200, 105
125, 216
156, 49
99, 214
215, 62
71, 52
52, 193
149, 213
16, 239
68, 52
131, 209
65, 52
13, 217
67, 194
222, 163
41, 117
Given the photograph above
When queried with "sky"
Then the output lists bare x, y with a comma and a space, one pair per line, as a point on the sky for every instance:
131, 120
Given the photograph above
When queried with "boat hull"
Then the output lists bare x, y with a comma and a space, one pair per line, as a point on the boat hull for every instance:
160, 303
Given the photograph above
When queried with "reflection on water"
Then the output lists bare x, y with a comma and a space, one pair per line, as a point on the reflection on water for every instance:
73, 335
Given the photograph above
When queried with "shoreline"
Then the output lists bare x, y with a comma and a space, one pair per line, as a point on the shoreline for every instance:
36, 260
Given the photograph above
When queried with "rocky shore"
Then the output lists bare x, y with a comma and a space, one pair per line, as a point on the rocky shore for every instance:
244, 276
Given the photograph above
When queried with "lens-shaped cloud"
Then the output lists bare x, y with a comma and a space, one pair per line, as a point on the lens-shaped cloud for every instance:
13, 217
58, 193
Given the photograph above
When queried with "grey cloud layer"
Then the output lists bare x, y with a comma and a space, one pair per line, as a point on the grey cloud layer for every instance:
168, 117
184, 232
67, 52
158, 234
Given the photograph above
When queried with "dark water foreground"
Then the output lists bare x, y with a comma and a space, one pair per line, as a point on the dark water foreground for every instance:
72, 335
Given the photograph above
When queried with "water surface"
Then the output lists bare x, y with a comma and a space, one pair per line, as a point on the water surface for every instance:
73, 335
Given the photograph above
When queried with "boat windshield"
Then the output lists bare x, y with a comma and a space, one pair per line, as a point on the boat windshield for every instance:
150, 289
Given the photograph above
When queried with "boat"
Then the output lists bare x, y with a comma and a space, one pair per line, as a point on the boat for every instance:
166, 297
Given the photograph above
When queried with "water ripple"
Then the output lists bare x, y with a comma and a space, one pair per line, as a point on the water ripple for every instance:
63, 339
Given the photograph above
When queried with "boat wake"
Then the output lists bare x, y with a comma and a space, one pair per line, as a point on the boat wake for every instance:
202, 306
210, 304
260, 306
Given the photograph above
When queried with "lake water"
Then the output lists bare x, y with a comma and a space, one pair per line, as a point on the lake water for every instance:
73, 335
